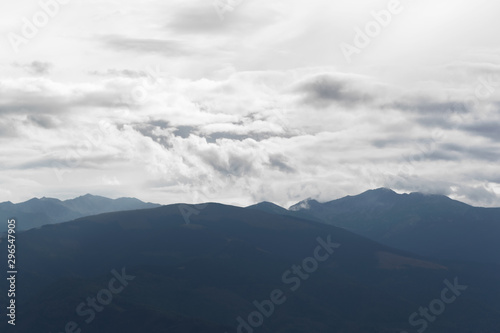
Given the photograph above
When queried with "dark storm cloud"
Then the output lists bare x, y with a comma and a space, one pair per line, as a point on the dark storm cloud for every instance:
171, 48
324, 90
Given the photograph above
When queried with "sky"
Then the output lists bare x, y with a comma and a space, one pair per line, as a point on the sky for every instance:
242, 101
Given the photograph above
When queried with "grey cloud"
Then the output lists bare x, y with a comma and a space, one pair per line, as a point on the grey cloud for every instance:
147, 130
121, 73
19, 103
490, 130
434, 114
36, 67
324, 90
279, 162
104, 98
418, 184
43, 102
71, 159
436, 155
171, 48
433, 154
484, 176
239, 165
8, 129
203, 18
235, 165
422, 105
485, 153
213, 137
422, 150
474, 68
439, 120
476, 194
160, 123
184, 131
198, 19
43, 121
394, 140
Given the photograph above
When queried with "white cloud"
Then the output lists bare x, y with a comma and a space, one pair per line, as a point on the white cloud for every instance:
167, 102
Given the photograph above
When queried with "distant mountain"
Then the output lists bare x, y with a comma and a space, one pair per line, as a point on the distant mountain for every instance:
37, 212
147, 270
429, 225
270, 207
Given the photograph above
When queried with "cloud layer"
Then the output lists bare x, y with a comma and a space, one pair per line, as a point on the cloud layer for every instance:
194, 102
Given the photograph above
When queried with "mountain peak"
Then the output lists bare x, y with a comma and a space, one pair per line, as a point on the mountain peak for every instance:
384, 189
304, 204
269, 207
87, 196
265, 203
380, 190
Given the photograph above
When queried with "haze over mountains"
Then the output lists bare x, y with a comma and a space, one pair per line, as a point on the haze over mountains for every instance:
433, 226
213, 274
37, 212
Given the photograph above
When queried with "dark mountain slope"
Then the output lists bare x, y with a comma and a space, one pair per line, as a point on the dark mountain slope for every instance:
429, 225
202, 276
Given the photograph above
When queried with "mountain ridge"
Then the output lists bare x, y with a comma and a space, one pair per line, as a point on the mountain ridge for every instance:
36, 212
214, 269
430, 225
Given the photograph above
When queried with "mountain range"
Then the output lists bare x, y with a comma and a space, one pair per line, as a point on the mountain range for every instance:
429, 225
37, 212
234, 269
433, 226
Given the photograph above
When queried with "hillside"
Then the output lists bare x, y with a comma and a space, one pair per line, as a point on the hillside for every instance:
203, 276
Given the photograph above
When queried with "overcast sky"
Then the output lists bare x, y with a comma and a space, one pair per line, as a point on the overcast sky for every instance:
240, 101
